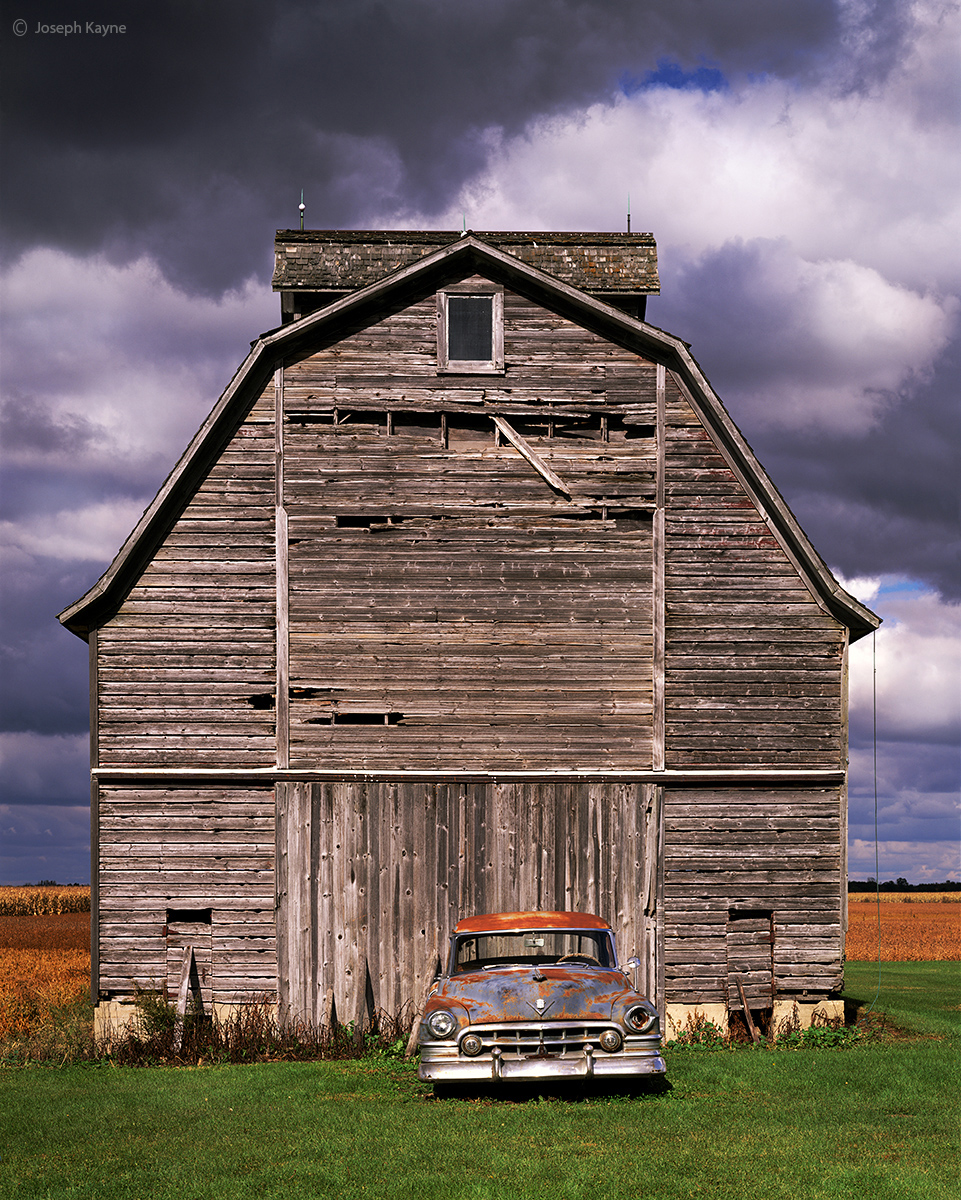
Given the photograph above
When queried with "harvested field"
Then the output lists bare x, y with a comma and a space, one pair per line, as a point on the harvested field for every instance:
44, 963
915, 927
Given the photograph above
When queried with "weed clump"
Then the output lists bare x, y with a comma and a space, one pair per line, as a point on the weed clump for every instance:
49, 1032
699, 1033
247, 1033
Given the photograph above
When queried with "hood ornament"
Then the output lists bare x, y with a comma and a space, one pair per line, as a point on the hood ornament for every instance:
538, 976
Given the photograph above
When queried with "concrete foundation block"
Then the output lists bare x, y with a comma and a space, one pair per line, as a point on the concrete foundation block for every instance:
114, 1019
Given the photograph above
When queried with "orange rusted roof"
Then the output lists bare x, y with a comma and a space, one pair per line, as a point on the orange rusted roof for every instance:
501, 922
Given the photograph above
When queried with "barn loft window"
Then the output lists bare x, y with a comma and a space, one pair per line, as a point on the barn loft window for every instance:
470, 331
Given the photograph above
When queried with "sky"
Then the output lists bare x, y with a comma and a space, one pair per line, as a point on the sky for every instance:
796, 160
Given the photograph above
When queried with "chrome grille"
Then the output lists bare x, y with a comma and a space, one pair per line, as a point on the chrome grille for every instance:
529, 1040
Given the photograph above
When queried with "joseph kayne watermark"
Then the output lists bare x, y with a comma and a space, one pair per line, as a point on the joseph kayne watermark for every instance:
84, 28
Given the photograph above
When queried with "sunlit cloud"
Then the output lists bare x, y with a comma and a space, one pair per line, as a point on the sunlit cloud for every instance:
94, 532
913, 666
111, 366
784, 215
930, 862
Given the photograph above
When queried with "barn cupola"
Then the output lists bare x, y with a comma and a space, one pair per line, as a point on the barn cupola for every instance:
315, 267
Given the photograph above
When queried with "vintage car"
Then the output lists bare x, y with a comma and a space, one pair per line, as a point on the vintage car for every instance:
536, 995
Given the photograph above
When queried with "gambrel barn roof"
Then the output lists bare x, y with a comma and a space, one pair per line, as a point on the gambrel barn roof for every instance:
422, 274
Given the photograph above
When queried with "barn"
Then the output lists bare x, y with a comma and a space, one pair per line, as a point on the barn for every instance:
467, 596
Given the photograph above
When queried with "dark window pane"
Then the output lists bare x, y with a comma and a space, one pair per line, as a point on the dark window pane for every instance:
469, 328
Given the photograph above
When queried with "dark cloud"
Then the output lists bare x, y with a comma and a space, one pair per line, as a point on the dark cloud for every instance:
885, 502
43, 668
190, 136
27, 424
44, 842
27, 491
918, 788
877, 494
185, 142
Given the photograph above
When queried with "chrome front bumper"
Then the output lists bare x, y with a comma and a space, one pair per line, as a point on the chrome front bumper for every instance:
548, 1058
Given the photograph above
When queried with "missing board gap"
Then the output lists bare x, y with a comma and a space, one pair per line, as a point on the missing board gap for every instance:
379, 422
630, 518
262, 700
464, 429
357, 718
366, 520
313, 693
311, 416
189, 916
632, 430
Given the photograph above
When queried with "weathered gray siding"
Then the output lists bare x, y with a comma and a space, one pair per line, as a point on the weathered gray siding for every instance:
751, 850
193, 643
166, 849
753, 662
438, 582
495, 573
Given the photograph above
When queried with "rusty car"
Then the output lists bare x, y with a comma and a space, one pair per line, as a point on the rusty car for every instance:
536, 995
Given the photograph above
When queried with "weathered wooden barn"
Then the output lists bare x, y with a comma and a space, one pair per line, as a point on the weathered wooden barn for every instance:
468, 595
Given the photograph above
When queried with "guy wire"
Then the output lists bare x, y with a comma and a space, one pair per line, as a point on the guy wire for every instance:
877, 871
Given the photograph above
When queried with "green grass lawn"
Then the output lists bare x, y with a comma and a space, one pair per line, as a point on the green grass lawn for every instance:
877, 1120
915, 995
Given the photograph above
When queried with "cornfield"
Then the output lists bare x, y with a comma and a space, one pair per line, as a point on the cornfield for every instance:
915, 927
43, 901
905, 897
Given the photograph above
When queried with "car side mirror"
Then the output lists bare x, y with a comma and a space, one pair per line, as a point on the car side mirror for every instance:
633, 963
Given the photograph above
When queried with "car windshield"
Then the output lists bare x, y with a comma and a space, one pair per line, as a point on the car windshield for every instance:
539, 947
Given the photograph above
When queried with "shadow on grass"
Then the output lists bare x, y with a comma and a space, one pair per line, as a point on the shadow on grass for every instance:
565, 1091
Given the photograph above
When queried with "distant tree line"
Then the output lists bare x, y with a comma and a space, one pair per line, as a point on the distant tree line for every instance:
901, 885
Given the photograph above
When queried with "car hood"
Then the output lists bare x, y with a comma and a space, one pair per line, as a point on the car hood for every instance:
565, 993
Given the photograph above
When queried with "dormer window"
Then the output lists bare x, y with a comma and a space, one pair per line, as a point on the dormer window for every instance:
470, 331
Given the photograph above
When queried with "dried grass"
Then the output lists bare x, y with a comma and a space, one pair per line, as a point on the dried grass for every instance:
44, 966
45, 1012
249, 1033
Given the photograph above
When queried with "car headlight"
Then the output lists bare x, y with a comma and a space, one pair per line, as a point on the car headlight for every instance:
642, 1018
441, 1023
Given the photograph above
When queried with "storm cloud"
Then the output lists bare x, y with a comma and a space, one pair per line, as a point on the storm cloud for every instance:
796, 160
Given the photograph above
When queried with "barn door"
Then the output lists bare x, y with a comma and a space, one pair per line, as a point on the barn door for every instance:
189, 927
750, 959
371, 877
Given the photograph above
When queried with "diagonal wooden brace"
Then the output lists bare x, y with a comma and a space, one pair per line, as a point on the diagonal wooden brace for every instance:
182, 997
527, 451
751, 1027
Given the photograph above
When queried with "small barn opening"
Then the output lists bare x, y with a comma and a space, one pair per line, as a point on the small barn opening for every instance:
190, 927
750, 967
466, 430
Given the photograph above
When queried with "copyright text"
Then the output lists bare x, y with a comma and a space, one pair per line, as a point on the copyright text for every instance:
85, 28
